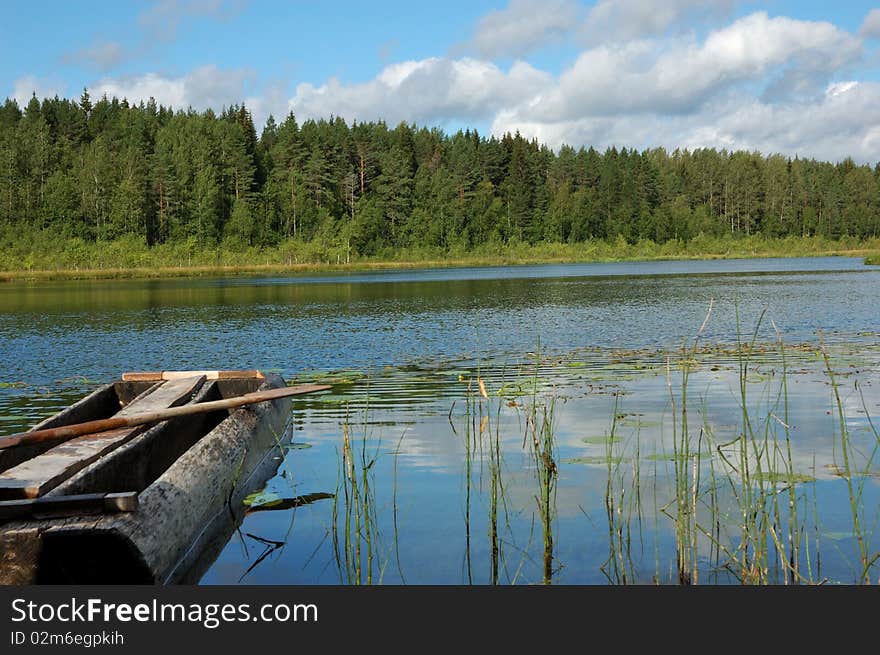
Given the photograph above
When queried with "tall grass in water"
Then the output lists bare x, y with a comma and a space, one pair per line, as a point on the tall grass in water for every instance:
491, 430
686, 462
539, 426
752, 482
866, 559
482, 441
487, 476
359, 549
622, 497
738, 508
756, 472
355, 546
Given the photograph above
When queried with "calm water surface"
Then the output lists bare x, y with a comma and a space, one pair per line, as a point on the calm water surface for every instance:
404, 350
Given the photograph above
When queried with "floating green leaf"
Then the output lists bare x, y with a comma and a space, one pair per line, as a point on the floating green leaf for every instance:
783, 477
595, 461
601, 440
671, 457
273, 502
296, 445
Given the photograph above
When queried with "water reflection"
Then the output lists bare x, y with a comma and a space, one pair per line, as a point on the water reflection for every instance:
467, 497
95, 329
458, 490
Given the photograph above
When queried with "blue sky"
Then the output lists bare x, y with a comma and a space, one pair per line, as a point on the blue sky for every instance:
793, 77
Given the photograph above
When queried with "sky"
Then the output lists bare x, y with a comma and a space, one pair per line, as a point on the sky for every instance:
801, 78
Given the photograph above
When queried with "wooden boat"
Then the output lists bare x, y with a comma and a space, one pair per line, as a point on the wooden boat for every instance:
185, 480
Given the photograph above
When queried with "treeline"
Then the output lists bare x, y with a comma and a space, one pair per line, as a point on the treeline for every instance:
108, 170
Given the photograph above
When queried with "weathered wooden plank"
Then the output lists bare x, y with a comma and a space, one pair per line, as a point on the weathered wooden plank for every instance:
60, 506
170, 394
151, 376
44, 472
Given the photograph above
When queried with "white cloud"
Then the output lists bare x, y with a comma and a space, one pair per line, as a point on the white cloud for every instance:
624, 20
870, 28
838, 88
772, 84
202, 88
430, 90
272, 99
679, 75
524, 26
25, 87
845, 121
757, 83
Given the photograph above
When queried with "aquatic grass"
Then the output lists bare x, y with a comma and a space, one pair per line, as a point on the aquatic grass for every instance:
359, 550
487, 413
854, 489
686, 466
754, 467
740, 507
774, 543
540, 425
795, 531
755, 472
618, 568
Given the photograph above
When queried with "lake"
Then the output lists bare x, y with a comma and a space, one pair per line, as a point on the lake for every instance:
586, 423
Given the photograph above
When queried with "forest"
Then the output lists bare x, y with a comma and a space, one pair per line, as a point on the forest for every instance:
89, 172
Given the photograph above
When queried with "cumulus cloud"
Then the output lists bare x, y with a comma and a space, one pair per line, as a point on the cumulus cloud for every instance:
429, 90
871, 26
25, 87
774, 84
272, 99
207, 87
202, 88
524, 26
844, 122
624, 20
678, 76
759, 82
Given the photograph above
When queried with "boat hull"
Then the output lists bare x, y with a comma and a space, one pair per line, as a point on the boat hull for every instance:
192, 475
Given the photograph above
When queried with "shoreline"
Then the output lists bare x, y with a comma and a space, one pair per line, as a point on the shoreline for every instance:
870, 255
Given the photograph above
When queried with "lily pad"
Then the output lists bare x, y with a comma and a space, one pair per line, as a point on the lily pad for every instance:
671, 457
601, 440
594, 461
638, 423
783, 477
297, 445
262, 501
263, 497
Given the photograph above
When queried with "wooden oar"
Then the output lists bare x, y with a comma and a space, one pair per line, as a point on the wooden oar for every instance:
113, 423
